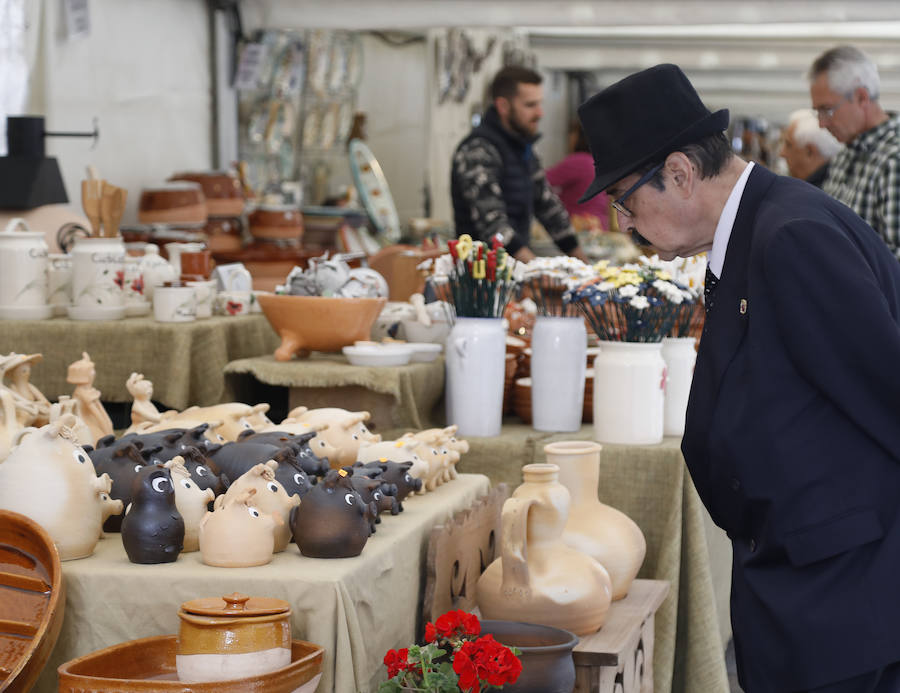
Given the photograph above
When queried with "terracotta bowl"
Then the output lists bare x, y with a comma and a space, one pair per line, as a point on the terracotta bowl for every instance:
224, 197
319, 323
276, 222
29, 622
148, 665
181, 202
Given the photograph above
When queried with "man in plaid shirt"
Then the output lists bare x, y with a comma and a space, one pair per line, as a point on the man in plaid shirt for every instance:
865, 174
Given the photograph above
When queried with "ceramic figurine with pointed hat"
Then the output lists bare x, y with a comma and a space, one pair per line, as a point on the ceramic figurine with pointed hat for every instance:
90, 409
15, 373
791, 434
153, 529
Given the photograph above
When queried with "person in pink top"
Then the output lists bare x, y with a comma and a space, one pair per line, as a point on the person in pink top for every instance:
572, 176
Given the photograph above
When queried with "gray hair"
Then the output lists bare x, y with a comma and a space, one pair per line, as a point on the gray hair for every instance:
847, 68
807, 131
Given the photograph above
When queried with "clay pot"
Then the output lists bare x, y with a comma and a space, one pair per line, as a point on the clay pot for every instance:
276, 222
547, 663
224, 197
153, 529
538, 577
332, 521
224, 234
173, 203
237, 534
608, 535
318, 323
232, 637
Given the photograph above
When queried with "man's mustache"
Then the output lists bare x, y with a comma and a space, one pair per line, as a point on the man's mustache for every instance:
638, 238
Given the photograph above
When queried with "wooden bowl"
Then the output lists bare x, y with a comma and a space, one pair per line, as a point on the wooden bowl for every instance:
276, 222
224, 197
148, 665
32, 600
319, 323
181, 202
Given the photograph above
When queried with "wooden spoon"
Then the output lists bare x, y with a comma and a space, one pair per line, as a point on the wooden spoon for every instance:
112, 207
91, 195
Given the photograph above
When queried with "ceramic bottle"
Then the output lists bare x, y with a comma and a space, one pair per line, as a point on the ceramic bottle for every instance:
599, 530
538, 578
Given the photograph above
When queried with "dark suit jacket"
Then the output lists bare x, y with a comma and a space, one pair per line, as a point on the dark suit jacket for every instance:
793, 436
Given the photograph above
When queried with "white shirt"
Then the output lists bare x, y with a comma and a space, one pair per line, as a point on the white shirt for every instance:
726, 223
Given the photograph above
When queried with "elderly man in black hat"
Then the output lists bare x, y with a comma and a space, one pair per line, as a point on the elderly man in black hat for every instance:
793, 426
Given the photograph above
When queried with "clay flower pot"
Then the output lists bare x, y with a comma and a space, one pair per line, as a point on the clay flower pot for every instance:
547, 664
319, 323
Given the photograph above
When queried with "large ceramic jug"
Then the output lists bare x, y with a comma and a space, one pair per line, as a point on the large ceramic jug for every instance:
538, 578
602, 532
558, 364
476, 349
23, 273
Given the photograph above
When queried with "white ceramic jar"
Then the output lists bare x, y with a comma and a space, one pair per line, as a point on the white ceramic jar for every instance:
174, 304
476, 352
629, 390
23, 273
155, 269
558, 364
59, 282
98, 277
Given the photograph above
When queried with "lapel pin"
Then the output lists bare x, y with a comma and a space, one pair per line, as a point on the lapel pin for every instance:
743, 306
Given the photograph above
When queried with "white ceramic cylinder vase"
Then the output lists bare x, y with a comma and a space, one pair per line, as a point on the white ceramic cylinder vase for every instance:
98, 278
23, 273
629, 388
679, 355
475, 365
558, 364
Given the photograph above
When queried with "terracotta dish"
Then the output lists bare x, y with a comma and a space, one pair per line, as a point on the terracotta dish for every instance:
319, 323
148, 665
224, 197
181, 202
32, 600
276, 222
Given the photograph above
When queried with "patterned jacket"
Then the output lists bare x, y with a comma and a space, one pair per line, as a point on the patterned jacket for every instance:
498, 185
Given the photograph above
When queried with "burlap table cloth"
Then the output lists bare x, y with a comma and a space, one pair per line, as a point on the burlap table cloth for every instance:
183, 360
395, 396
649, 483
357, 608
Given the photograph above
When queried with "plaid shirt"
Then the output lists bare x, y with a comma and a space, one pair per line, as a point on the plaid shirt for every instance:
865, 176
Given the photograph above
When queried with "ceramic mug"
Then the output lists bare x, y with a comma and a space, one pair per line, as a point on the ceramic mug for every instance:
174, 251
23, 272
196, 265
174, 304
98, 273
205, 297
233, 302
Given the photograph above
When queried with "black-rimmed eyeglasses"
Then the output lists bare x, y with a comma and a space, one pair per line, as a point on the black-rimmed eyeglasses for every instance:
619, 203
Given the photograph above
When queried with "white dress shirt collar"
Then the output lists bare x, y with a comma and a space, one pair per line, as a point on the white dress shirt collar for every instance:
726, 223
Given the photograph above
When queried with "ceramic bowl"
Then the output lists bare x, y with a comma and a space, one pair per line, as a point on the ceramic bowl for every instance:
424, 352
435, 333
318, 323
224, 197
378, 354
172, 203
148, 665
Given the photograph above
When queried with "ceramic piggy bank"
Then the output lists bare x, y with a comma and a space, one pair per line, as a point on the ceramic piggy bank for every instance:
51, 479
393, 473
333, 520
237, 534
235, 417
314, 464
270, 498
400, 450
191, 501
109, 506
346, 431
152, 529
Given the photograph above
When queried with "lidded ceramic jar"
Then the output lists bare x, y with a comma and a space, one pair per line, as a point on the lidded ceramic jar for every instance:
232, 637
23, 273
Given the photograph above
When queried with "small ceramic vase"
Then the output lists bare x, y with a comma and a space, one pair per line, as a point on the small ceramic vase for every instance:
270, 498
152, 529
346, 431
51, 479
190, 500
234, 637
598, 530
538, 578
237, 534
331, 522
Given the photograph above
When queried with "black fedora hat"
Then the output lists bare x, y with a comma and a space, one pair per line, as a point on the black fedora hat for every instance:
643, 118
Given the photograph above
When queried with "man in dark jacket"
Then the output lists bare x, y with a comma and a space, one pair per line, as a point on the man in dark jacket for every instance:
497, 181
792, 435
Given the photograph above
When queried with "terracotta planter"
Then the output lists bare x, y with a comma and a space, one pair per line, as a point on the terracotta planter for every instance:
547, 663
602, 532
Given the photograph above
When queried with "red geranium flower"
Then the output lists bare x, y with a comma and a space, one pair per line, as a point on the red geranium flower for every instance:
395, 661
453, 624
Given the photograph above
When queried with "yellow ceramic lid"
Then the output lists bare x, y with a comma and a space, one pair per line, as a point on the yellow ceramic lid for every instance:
236, 604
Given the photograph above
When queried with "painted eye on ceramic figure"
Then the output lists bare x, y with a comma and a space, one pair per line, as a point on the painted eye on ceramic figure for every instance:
186, 483
79, 456
377, 495
137, 468
348, 499
253, 512
407, 478
160, 484
104, 497
201, 470
272, 486
298, 479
